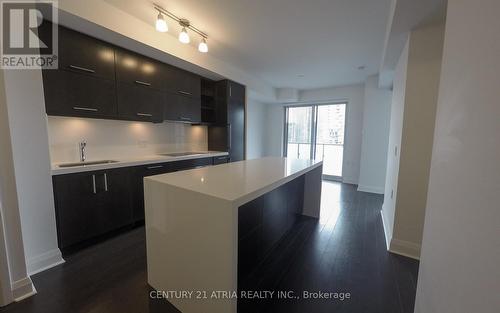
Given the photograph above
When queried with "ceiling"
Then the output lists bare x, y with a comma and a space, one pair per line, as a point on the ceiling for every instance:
287, 43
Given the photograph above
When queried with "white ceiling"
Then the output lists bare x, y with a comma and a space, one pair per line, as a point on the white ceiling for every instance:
278, 40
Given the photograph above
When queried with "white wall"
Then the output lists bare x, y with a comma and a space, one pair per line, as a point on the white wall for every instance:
14, 277
354, 95
395, 133
375, 137
256, 131
28, 129
108, 139
459, 267
408, 172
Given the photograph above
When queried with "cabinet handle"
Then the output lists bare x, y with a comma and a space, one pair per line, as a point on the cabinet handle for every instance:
230, 91
154, 167
145, 114
184, 92
229, 136
185, 118
83, 69
85, 109
93, 184
142, 83
222, 158
105, 182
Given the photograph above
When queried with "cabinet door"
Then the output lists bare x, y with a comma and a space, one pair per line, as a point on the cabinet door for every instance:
181, 82
78, 203
295, 200
138, 186
236, 117
139, 70
274, 217
236, 91
85, 55
139, 103
73, 94
116, 187
190, 164
221, 160
181, 108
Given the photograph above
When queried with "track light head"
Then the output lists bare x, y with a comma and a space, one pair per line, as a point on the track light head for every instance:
161, 24
184, 36
203, 47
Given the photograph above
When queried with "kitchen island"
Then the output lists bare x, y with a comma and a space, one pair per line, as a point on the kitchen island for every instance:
208, 228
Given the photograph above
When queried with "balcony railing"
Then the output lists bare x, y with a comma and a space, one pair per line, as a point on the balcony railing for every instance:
331, 154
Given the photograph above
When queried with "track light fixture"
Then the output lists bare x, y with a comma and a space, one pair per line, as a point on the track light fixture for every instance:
161, 26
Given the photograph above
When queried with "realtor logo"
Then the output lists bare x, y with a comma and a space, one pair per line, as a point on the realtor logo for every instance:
29, 38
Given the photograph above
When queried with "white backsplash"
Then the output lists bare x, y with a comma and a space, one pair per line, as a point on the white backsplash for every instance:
109, 139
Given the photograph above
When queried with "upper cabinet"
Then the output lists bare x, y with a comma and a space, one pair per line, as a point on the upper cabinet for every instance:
139, 70
181, 82
99, 80
139, 87
84, 84
85, 55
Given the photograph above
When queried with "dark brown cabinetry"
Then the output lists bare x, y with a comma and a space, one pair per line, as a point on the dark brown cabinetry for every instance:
228, 133
181, 108
73, 94
90, 204
99, 80
84, 84
264, 221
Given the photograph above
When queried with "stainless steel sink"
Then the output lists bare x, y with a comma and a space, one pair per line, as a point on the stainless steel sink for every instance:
177, 154
86, 163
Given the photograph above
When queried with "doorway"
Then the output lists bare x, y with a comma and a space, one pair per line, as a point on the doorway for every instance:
317, 132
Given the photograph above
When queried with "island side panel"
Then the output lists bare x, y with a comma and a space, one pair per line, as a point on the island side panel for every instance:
191, 244
312, 192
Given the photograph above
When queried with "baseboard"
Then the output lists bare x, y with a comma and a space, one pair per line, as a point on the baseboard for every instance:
349, 181
44, 261
23, 289
386, 230
405, 248
371, 189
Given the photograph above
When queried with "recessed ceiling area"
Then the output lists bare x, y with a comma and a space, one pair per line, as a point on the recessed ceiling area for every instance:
287, 43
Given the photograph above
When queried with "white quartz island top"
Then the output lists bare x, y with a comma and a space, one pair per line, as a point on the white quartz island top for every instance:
239, 181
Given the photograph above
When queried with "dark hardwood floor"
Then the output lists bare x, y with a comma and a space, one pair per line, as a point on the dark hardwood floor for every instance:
342, 252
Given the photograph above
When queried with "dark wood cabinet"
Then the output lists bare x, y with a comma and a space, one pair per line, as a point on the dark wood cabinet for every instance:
228, 133
85, 55
139, 70
181, 82
139, 103
221, 160
73, 94
262, 223
139, 173
90, 204
181, 108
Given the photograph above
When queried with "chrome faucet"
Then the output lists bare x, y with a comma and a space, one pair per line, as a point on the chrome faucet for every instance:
83, 144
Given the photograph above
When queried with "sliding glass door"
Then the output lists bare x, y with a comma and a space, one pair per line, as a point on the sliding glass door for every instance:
317, 132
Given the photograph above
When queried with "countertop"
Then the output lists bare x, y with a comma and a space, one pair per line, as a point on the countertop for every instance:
238, 180
135, 161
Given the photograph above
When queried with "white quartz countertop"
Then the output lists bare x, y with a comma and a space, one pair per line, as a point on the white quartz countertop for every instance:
239, 180
134, 161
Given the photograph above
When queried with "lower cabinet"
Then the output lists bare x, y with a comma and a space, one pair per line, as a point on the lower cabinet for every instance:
263, 222
90, 204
